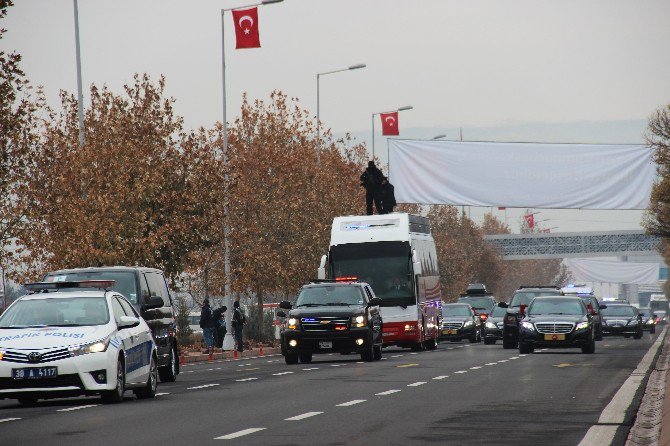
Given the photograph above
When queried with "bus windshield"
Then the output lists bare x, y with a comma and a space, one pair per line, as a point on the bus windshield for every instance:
385, 266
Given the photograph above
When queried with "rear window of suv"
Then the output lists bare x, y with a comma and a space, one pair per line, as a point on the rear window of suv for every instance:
524, 297
124, 281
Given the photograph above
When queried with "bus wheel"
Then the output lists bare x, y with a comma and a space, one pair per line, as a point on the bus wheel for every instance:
417, 347
431, 344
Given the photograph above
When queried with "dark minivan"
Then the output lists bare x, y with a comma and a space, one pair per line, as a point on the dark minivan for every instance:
140, 286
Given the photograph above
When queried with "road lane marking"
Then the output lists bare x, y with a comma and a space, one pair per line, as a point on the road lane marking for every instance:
416, 384
407, 365
303, 416
282, 373
204, 386
241, 433
462, 371
521, 356
475, 368
504, 360
360, 362
312, 368
397, 356
162, 393
246, 370
514, 357
336, 365
350, 403
69, 409
491, 363
450, 348
413, 353
441, 377
562, 365
9, 419
245, 379
388, 392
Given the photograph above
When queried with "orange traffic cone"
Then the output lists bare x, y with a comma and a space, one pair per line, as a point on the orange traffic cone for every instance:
260, 350
183, 359
235, 354
211, 357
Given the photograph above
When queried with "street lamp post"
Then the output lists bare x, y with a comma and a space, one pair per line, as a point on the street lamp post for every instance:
399, 109
80, 95
228, 342
318, 104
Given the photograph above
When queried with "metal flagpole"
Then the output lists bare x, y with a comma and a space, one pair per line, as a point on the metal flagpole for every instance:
228, 342
80, 95
318, 122
373, 136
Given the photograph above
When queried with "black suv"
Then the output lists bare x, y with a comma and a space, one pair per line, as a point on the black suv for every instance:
557, 322
140, 286
520, 300
332, 316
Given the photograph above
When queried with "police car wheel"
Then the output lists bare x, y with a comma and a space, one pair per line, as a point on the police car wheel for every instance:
291, 359
116, 395
169, 372
305, 358
27, 400
149, 391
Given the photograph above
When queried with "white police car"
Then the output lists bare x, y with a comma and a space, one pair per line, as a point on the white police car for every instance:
65, 343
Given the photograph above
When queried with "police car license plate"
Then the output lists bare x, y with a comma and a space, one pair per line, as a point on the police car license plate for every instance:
554, 337
325, 344
35, 373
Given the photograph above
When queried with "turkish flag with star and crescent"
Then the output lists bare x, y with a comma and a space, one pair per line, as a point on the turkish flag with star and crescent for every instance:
390, 124
530, 220
246, 28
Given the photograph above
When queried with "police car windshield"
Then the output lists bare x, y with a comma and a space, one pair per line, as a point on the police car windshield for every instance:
56, 312
618, 310
525, 297
330, 295
555, 306
124, 281
455, 310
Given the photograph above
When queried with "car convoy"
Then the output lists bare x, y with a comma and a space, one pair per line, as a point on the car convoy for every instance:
105, 330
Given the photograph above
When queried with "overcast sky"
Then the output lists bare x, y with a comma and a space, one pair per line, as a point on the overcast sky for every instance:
459, 63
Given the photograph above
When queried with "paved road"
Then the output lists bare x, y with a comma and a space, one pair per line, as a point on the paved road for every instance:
460, 394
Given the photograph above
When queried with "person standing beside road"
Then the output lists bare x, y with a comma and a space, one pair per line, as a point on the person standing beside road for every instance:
220, 330
388, 196
238, 324
371, 180
207, 324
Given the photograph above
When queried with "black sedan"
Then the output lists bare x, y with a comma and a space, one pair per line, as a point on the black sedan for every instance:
460, 321
493, 327
557, 322
622, 320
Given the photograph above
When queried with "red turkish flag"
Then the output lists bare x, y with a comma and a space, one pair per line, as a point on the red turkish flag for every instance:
530, 220
390, 124
246, 28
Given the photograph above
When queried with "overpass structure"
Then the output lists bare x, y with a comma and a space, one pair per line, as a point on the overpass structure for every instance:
575, 244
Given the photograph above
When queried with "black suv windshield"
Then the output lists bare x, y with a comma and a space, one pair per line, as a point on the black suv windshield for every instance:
556, 306
455, 310
498, 311
330, 295
619, 310
479, 303
524, 297
124, 281
59, 311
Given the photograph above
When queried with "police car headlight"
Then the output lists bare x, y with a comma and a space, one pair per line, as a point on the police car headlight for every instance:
93, 347
582, 326
528, 326
358, 321
649, 322
292, 323
469, 324
490, 325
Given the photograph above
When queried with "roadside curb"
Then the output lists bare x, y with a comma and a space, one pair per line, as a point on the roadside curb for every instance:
229, 355
615, 420
649, 419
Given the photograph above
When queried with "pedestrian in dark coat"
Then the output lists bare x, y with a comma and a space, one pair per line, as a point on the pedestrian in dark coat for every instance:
388, 196
207, 325
238, 324
371, 180
220, 330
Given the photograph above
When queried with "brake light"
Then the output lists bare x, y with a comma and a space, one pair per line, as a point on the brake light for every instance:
483, 316
340, 327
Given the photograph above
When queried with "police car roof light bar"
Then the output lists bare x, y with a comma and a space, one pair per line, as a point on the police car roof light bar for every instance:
540, 286
46, 286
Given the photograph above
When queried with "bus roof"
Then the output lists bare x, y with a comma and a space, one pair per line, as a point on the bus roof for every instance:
378, 228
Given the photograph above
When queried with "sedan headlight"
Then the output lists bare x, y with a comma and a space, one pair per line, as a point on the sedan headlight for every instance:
528, 326
650, 322
93, 347
292, 323
358, 321
490, 324
582, 326
469, 324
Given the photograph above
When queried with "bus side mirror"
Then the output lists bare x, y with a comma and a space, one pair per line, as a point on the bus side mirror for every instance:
416, 265
374, 302
285, 305
280, 313
321, 272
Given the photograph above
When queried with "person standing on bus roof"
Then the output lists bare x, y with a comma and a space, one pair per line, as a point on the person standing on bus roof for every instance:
388, 196
371, 180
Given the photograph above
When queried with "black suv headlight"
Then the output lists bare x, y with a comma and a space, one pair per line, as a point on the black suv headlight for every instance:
358, 321
292, 323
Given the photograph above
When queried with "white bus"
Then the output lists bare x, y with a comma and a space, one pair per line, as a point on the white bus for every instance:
395, 254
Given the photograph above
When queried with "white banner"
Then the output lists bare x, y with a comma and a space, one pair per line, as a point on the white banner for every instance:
532, 175
610, 271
